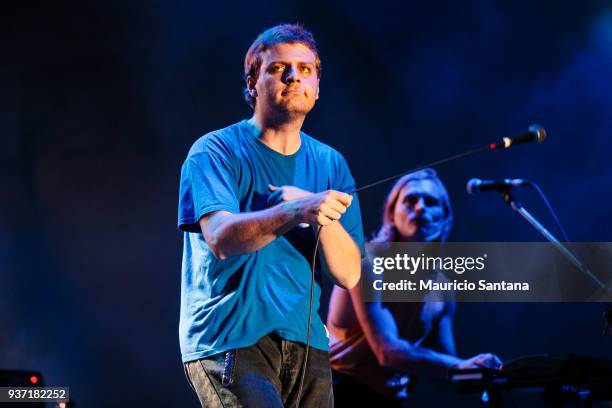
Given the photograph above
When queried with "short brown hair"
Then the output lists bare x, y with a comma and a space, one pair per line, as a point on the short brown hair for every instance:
280, 34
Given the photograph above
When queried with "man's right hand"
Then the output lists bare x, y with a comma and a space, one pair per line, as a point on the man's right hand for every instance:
321, 208
486, 360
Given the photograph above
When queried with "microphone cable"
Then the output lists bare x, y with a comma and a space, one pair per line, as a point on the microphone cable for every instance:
312, 271
550, 209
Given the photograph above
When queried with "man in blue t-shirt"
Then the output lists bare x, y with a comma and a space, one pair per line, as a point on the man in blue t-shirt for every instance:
252, 197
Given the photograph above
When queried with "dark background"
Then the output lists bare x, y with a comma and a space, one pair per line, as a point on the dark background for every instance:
102, 100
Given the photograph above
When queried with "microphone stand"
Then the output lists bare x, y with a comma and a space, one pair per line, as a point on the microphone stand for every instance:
519, 208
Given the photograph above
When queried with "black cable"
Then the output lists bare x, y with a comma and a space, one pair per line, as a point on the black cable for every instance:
432, 164
550, 209
305, 362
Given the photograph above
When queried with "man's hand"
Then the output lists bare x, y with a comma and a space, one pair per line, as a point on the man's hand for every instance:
486, 360
285, 193
315, 209
320, 209
324, 208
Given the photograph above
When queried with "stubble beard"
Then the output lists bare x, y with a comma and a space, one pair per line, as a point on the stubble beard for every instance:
295, 105
293, 109
285, 109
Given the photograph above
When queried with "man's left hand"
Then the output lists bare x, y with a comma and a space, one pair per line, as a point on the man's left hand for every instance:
285, 193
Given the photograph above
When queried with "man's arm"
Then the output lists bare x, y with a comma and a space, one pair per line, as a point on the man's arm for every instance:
229, 234
341, 254
391, 351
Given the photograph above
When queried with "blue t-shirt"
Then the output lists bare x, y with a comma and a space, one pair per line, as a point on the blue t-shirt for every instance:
232, 303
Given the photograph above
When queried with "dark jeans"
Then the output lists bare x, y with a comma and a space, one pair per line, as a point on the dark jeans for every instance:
265, 375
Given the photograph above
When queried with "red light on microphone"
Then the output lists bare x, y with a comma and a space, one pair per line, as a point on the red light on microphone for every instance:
33, 379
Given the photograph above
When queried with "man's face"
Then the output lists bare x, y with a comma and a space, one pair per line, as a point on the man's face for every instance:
418, 212
288, 80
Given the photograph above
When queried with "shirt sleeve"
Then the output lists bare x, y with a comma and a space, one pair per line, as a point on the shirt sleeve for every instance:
351, 220
207, 184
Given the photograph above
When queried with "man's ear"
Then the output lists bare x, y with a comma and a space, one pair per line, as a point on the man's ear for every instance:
317, 94
250, 83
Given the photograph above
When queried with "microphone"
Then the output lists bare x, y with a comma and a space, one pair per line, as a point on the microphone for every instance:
535, 133
476, 185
